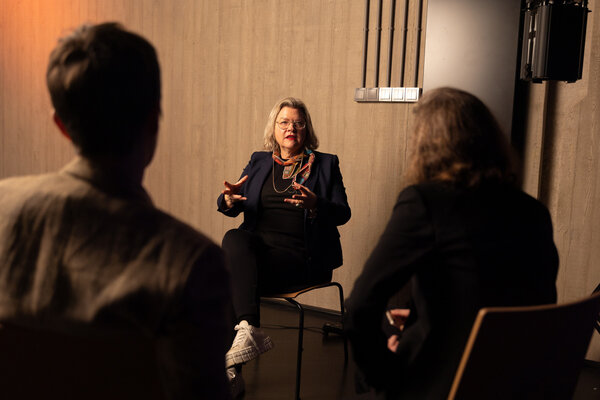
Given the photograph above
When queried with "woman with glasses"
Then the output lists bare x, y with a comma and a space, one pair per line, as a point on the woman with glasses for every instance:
293, 199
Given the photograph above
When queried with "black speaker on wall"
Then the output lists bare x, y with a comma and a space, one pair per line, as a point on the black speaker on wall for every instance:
553, 40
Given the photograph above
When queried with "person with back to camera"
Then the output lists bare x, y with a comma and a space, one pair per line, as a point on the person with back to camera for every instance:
464, 235
293, 198
85, 246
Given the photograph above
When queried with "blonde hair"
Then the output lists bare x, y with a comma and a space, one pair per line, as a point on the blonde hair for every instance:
310, 140
457, 140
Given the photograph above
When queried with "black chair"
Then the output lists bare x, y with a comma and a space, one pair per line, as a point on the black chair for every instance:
531, 352
290, 297
92, 365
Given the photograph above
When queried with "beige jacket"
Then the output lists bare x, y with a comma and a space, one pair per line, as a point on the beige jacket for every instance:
76, 246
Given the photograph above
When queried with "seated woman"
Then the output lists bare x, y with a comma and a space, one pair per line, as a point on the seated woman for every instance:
464, 235
293, 199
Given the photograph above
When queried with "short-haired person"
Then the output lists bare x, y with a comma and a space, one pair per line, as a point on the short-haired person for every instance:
464, 236
293, 198
86, 244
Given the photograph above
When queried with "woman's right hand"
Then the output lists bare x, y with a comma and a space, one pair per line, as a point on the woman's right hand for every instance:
397, 317
232, 190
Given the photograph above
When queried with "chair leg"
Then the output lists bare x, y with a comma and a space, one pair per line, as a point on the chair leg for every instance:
300, 344
341, 292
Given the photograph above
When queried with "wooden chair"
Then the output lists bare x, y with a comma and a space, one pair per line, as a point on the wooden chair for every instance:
290, 297
42, 364
531, 352
597, 290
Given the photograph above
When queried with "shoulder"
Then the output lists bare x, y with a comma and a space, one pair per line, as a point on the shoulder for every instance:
516, 199
426, 195
411, 194
186, 249
258, 161
258, 156
51, 195
326, 160
496, 196
178, 234
173, 248
432, 188
424, 190
431, 191
33, 190
27, 182
325, 156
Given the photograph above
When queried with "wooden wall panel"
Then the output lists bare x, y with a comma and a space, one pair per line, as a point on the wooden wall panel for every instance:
565, 120
534, 139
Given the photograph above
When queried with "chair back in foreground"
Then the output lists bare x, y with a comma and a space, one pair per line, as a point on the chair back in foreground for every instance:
47, 364
533, 352
597, 290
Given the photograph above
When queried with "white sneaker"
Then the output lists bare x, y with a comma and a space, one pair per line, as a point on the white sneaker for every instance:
236, 382
249, 342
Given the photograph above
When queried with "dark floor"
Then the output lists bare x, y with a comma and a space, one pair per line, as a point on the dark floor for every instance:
588, 387
324, 376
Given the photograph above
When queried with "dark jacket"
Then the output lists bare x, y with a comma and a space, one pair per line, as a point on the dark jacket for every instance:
461, 249
321, 235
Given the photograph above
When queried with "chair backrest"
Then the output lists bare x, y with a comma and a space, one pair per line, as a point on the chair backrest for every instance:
597, 290
43, 364
531, 352
292, 293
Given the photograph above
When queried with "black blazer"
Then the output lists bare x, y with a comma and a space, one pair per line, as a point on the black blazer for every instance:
321, 235
461, 249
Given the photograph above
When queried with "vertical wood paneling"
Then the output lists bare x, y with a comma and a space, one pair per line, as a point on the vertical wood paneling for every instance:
532, 146
570, 182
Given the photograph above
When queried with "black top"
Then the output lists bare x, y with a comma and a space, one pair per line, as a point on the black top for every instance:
279, 219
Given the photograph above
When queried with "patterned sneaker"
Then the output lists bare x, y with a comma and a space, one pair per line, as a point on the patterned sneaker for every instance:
236, 382
249, 342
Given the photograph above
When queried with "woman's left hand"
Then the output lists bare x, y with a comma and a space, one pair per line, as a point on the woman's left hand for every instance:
393, 343
306, 199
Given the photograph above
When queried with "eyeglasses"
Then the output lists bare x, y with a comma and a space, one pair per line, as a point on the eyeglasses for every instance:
283, 125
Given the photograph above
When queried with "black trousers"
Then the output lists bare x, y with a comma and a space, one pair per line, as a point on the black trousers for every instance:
260, 264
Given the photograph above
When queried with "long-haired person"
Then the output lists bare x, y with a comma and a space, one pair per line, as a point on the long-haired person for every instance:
293, 198
464, 235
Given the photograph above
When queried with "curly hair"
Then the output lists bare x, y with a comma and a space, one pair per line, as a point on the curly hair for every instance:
310, 141
457, 140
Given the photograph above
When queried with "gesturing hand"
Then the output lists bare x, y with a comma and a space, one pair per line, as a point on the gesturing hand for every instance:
397, 318
232, 190
306, 198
